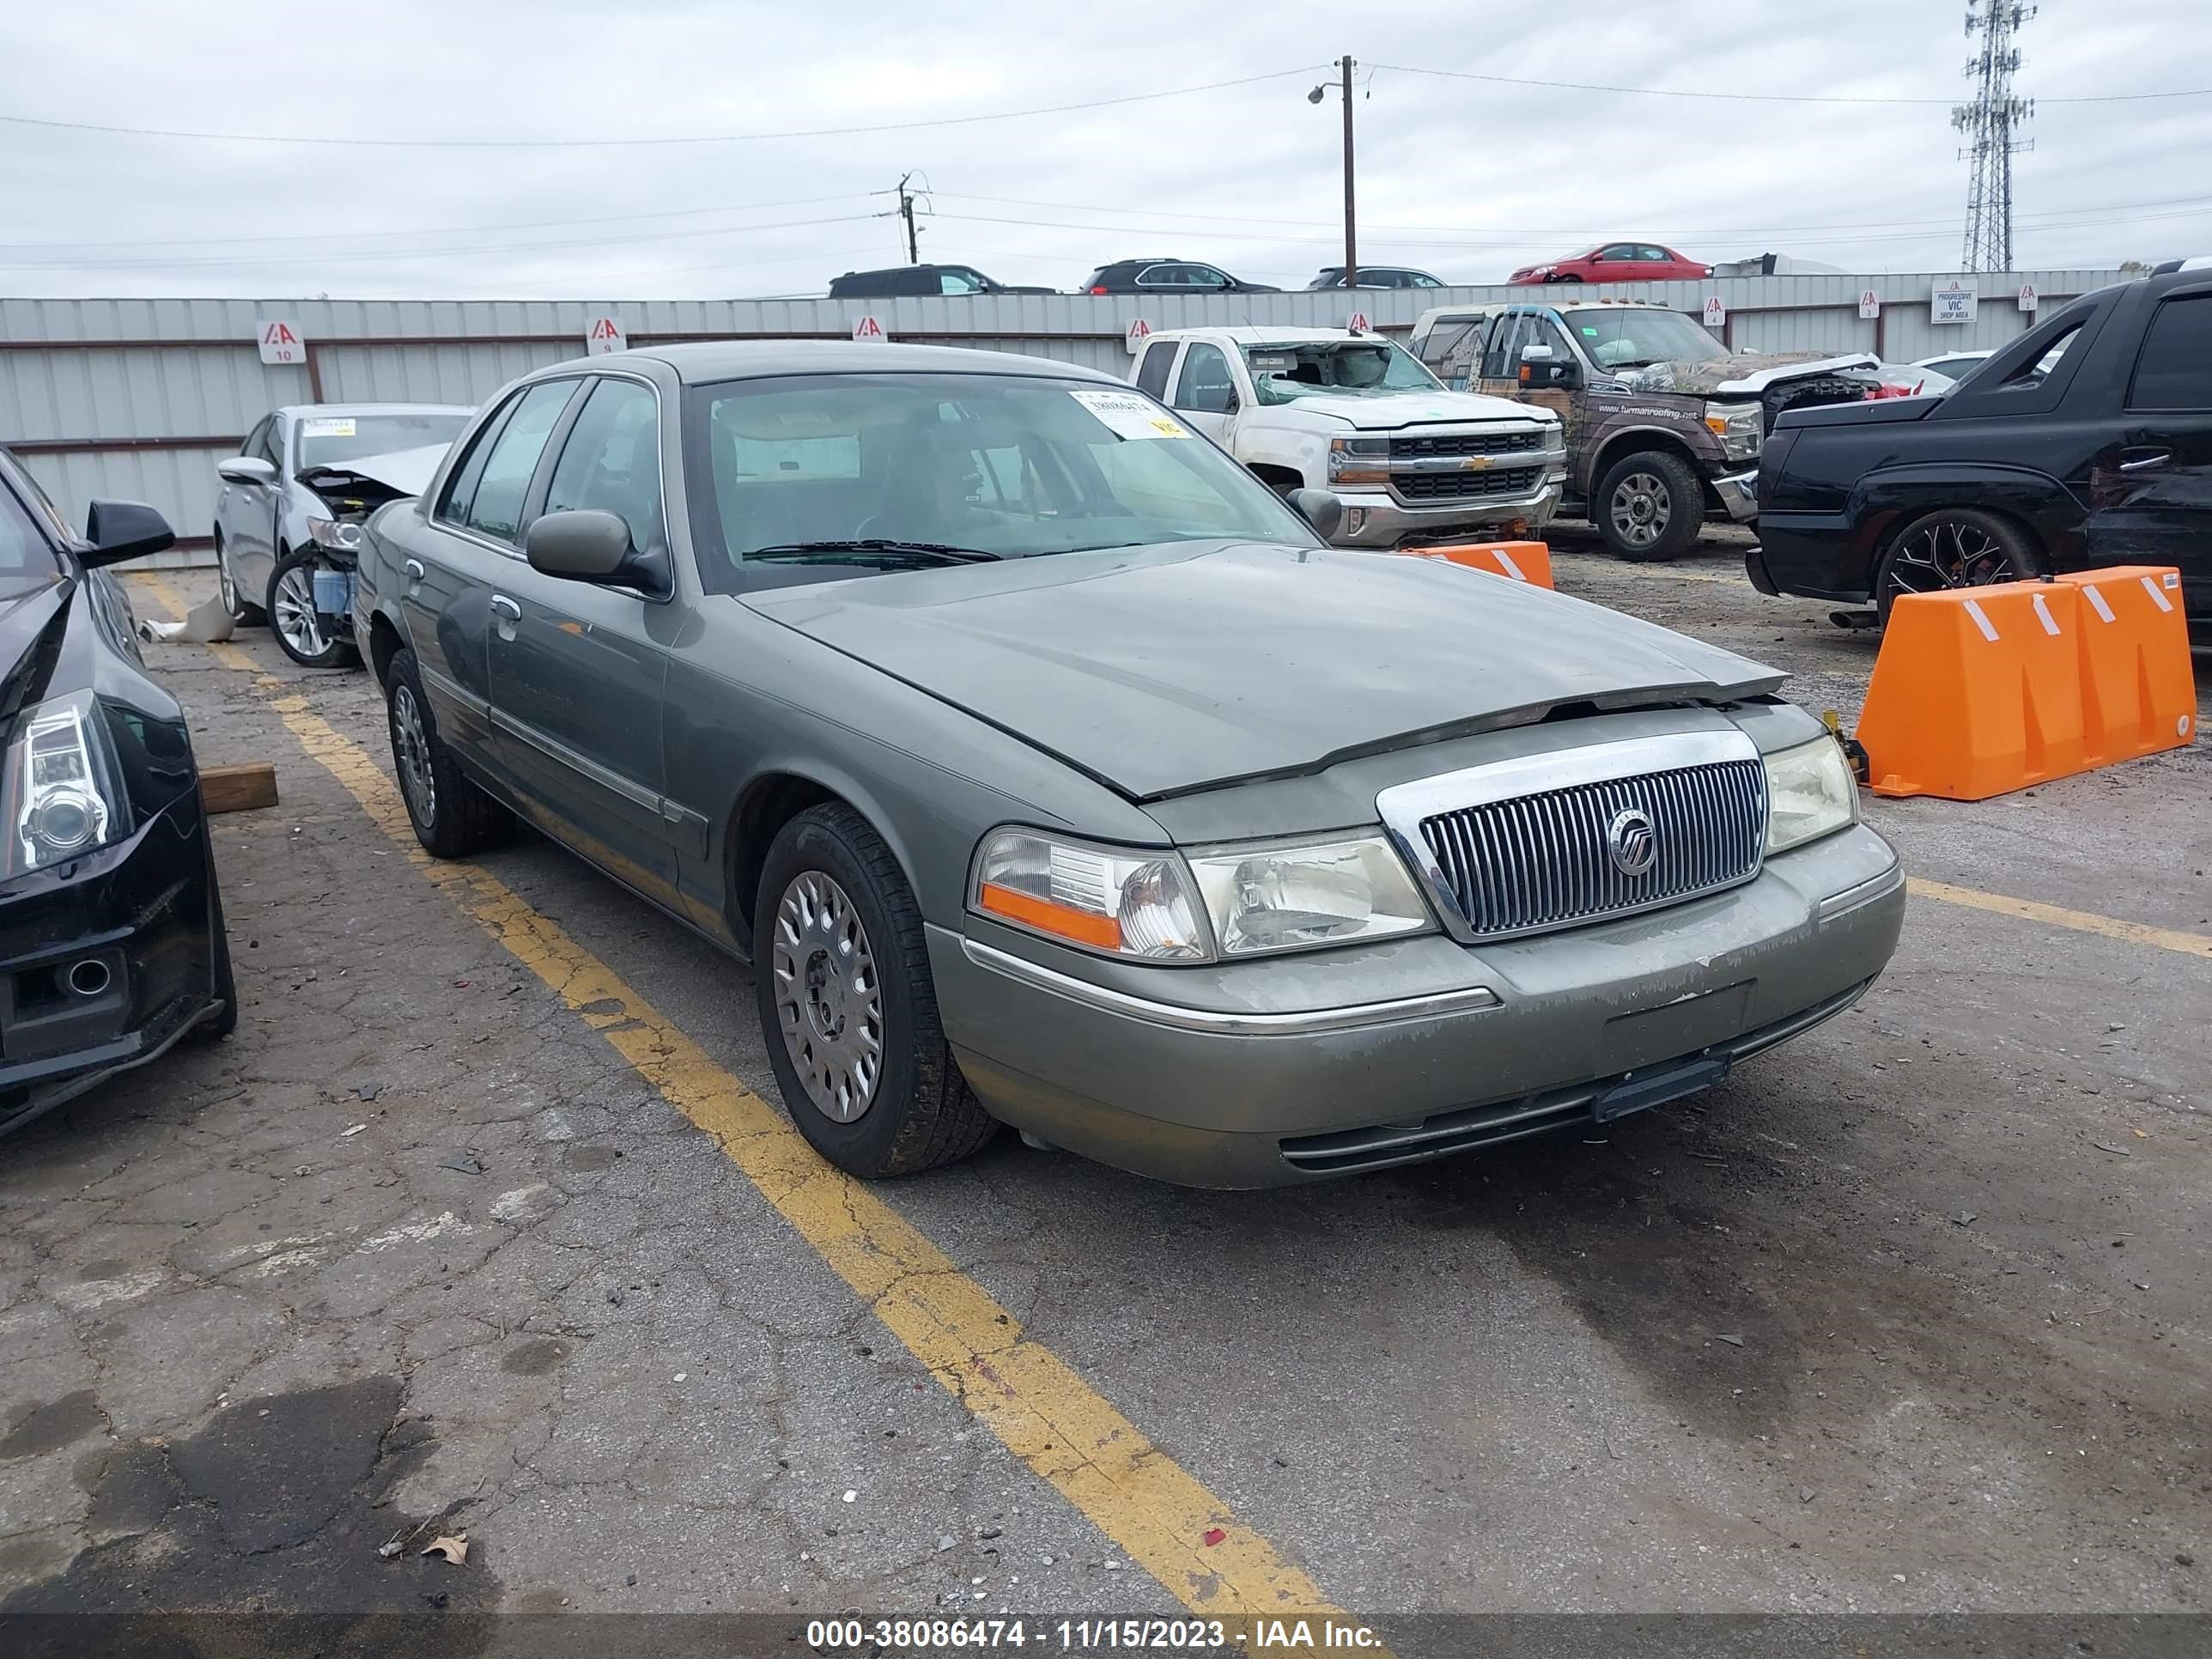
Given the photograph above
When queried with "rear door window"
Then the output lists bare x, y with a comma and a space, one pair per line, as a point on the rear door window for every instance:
1152, 372
2175, 369
496, 507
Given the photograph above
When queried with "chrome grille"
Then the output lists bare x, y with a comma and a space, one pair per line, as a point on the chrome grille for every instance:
1427, 446
1536, 861
1463, 486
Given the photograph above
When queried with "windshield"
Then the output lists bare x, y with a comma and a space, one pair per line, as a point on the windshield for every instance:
1283, 373
1010, 467
1635, 337
334, 440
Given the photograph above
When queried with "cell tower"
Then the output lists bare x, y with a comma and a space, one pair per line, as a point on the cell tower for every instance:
1988, 122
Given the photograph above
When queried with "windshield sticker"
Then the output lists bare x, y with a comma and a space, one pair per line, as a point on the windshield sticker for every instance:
1128, 416
327, 426
1271, 362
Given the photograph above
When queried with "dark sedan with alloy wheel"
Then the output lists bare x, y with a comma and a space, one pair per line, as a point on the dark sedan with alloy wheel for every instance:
2087, 441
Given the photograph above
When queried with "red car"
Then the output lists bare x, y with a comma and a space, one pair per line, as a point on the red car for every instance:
1616, 262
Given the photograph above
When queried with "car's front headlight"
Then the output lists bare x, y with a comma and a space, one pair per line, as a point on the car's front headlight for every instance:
1224, 901
1359, 460
63, 798
1741, 429
1810, 792
1293, 895
334, 532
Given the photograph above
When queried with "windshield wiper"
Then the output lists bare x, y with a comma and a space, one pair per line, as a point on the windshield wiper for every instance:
878, 547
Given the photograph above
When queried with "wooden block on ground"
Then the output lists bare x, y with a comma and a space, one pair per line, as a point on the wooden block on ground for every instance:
238, 788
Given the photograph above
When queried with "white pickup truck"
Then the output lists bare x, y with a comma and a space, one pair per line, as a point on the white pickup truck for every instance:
1352, 414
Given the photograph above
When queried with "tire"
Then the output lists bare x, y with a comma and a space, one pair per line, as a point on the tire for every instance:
1953, 547
233, 602
830, 889
1570, 277
1650, 506
291, 607
452, 816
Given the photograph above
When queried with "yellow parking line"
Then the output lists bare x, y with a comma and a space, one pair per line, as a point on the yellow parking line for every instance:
1032, 1399
2081, 922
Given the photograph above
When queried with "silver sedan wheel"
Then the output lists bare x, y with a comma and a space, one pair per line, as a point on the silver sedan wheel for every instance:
1641, 507
829, 1002
225, 587
411, 751
294, 612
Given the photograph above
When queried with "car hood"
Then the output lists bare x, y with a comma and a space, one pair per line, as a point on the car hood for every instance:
1387, 412
406, 471
1744, 371
1165, 669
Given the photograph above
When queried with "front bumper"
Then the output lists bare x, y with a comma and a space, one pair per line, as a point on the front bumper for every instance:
1270, 1073
1739, 493
1375, 518
142, 916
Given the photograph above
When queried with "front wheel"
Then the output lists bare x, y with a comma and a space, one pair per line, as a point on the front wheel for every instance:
292, 616
234, 603
1953, 547
847, 1007
452, 816
1650, 506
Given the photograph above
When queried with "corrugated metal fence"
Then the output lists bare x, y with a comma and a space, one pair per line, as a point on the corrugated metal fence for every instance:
137, 398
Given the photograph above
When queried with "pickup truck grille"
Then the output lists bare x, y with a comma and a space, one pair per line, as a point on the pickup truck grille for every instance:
1447, 444
1539, 861
1465, 486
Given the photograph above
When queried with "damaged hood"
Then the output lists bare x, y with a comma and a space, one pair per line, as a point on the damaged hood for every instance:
1746, 372
403, 472
1375, 412
1159, 669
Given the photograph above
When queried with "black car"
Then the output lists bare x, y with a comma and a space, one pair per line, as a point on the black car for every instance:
899, 281
1375, 277
112, 943
2087, 441
1168, 277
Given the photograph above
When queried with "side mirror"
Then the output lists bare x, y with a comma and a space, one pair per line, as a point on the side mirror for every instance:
245, 470
1320, 509
123, 530
584, 545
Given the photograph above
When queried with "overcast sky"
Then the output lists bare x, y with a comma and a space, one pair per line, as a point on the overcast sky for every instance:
1461, 177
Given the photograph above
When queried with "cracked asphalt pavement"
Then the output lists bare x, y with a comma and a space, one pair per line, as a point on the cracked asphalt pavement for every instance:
1909, 1315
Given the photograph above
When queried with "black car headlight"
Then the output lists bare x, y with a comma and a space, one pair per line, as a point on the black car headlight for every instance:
63, 797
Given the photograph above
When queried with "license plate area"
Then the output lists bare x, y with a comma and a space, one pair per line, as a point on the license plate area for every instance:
1658, 1086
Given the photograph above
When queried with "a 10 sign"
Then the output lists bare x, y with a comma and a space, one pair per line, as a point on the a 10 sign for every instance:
280, 341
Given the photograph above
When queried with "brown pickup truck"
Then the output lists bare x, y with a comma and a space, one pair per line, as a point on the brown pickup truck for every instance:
1664, 424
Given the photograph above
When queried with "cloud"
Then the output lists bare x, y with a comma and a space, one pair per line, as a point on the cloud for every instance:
1464, 177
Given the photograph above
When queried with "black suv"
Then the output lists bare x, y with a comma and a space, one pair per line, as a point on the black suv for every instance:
902, 280
1168, 277
1375, 277
2087, 441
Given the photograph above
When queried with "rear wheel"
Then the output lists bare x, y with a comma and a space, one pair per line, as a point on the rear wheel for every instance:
452, 816
226, 585
1650, 506
1953, 547
292, 616
847, 1007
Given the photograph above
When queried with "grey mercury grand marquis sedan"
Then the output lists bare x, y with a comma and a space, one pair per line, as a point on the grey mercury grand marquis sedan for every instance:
1052, 771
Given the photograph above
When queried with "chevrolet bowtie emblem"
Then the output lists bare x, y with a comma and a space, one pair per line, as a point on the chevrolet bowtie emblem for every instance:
1474, 463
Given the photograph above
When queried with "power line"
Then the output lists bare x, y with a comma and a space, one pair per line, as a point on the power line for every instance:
344, 141
1767, 97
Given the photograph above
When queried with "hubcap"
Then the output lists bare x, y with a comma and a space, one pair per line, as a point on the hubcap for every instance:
829, 1003
411, 751
1949, 554
224, 586
1641, 508
294, 602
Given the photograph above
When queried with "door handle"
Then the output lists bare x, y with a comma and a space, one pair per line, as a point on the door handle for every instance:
414, 569
507, 607
2145, 463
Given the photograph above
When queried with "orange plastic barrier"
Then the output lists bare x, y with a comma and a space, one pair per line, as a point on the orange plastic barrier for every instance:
1524, 562
1977, 691
2138, 693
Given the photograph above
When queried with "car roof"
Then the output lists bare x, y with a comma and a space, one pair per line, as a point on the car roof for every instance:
1260, 334
702, 362
293, 411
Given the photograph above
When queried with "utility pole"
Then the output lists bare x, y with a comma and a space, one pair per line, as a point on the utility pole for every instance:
905, 212
1351, 236
1988, 122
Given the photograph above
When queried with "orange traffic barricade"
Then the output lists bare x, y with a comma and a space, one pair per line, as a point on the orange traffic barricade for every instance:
1977, 691
1524, 562
2138, 692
